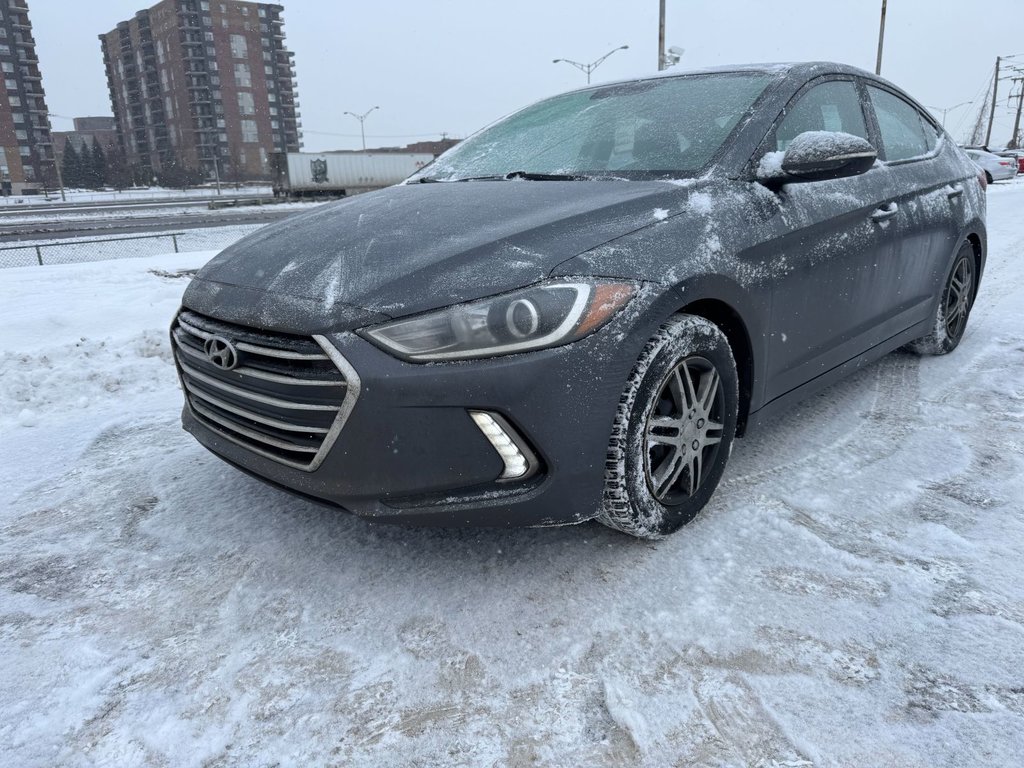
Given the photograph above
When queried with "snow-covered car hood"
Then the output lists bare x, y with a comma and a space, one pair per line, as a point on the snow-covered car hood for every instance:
416, 247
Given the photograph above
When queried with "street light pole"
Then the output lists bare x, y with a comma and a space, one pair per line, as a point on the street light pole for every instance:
361, 118
881, 37
661, 35
944, 110
588, 68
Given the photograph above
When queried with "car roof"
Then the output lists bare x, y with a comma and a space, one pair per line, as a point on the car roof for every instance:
800, 69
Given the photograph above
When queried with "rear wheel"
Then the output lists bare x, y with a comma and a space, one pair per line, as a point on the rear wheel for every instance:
673, 431
954, 307
988, 177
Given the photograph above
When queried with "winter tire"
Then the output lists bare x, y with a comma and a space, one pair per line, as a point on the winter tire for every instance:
673, 430
954, 307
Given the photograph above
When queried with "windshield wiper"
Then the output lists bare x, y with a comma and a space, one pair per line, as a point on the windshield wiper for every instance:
545, 176
528, 175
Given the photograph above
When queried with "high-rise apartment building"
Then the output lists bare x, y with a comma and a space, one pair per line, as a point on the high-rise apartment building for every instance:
203, 86
26, 152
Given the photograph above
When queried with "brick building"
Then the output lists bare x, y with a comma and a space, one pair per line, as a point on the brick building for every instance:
26, 152
89, 130
201, 86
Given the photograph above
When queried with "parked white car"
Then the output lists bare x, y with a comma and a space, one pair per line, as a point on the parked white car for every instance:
996, 168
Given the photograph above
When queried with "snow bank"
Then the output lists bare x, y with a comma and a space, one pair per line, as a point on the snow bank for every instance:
851, 595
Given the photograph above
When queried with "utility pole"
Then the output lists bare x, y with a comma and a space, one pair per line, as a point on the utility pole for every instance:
1014, 141
661, 35
992, 111
881, 38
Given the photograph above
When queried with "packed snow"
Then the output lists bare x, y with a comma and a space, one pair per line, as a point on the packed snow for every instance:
850, 597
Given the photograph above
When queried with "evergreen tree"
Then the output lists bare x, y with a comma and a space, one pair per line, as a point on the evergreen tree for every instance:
71, 167
97, 167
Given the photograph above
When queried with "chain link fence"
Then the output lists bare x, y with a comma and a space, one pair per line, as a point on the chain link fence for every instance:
75, 250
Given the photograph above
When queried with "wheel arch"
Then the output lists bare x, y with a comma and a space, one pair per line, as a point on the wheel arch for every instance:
731, 323
979, 257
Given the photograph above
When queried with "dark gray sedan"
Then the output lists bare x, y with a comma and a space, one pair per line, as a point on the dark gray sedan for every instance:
573, 313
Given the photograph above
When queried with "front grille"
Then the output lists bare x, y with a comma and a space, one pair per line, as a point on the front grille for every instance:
282, 396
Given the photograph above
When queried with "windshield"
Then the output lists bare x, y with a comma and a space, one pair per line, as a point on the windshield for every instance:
667, 127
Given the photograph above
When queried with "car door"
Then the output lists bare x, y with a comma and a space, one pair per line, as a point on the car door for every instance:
829, 238
928, 192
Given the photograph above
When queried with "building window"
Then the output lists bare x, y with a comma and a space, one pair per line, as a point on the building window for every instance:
239, 49
249, 133
246, 105
271, 97
25, 151
5, 50
268, 70
15, 101
243, 77
273, 124
23, 135
211, 51
208, 36
224, 23
11, 83
245, 10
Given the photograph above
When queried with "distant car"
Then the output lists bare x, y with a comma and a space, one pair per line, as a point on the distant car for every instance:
571, 314
996, 167
1015, 154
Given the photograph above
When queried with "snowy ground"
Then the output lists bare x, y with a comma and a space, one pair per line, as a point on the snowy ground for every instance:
84, 249
143, 212
141, 193
852, 596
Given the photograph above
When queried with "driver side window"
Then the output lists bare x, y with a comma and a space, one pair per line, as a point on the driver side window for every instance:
831, 106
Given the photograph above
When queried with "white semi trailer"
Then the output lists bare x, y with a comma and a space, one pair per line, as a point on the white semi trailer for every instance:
343, 173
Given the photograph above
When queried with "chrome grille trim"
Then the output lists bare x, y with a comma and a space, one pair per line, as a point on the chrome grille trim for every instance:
258, 374
276, 423
265, 399
218, 413
252, 433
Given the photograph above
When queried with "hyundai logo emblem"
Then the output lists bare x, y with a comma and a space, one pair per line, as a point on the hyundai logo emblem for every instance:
221, 352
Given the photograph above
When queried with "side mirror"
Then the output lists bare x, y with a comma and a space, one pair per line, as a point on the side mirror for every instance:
817, 156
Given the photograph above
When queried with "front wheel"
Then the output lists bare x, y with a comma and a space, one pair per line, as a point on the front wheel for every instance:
954, 307
673, 430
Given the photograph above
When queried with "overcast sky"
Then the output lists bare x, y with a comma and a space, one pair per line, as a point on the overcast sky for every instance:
455, 65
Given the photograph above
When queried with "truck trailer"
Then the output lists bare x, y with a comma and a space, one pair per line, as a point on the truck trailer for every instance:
310, 174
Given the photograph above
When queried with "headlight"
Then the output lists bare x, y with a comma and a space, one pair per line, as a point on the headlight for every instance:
543, 315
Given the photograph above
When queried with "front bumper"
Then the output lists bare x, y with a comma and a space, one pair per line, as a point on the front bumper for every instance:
410, 451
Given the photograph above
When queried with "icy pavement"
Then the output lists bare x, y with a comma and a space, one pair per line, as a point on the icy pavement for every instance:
851, 597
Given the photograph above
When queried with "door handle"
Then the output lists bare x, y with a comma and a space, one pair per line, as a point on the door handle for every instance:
954, 190
886, 211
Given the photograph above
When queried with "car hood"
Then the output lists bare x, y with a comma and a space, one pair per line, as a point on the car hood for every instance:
415, 247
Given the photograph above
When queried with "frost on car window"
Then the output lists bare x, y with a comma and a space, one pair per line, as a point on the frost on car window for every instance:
905, 133
833, 106
667, 128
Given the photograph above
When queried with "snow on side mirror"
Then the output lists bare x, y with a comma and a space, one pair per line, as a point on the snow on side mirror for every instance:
817, 156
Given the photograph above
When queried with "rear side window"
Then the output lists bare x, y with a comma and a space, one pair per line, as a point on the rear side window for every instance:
830, 106
905, 132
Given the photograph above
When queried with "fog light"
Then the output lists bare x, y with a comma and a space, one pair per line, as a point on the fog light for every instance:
517, 465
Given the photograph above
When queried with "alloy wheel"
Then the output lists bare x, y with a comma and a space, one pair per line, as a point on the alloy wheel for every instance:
683, 430
958, 297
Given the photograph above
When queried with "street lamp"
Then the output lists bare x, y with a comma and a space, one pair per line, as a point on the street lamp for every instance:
944, 110
588, 68
361, 118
